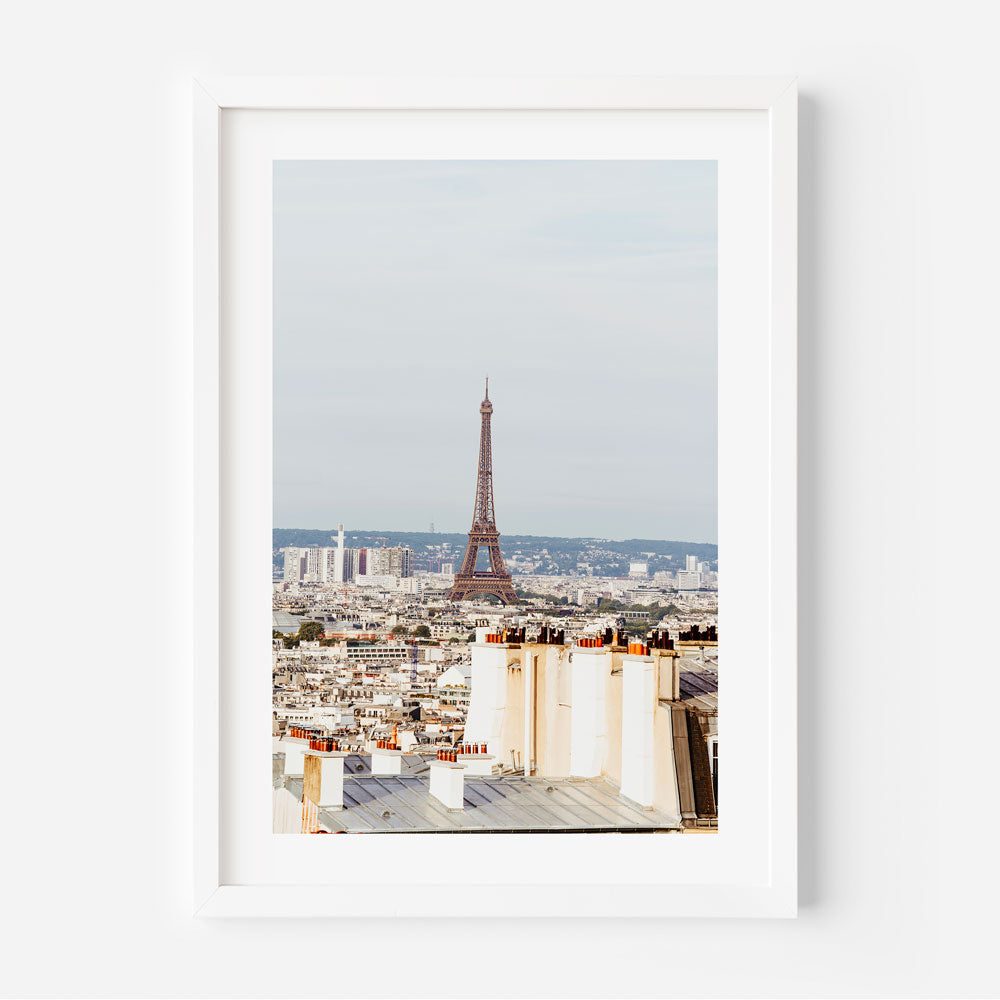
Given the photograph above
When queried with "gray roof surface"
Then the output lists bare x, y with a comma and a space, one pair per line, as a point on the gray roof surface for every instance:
699, 683
361, 763
695, 685
514, 804
282, 621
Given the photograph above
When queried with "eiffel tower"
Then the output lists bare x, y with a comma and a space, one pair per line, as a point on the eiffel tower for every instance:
495, 580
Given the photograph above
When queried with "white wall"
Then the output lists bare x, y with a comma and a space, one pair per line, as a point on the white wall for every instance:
898, 362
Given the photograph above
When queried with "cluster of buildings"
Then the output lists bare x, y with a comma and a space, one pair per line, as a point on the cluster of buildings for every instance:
696, 575
376, 567
524, 555
561, 715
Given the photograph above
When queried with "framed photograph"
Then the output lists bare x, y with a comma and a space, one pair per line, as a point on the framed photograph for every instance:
569, 305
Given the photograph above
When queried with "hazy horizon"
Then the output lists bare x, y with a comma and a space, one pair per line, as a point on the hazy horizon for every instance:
377, 532
585, 289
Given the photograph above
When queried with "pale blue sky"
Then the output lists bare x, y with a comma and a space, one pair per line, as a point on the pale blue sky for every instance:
585, 289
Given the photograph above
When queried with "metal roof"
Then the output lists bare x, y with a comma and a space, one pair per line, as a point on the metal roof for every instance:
700, 690
282, 621
403, 804
694, 685
699, 682
361, 763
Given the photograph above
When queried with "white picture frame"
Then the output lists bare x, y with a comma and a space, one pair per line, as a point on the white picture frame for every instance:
777, 98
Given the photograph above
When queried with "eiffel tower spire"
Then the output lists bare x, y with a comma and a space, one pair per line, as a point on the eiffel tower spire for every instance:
484, 534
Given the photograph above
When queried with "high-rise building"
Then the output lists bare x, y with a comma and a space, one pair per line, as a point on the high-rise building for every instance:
692, 564
328, 565
338, 568
396, 561
638, 570
292, 572
302, 565
311, 558
350, 568
405, 562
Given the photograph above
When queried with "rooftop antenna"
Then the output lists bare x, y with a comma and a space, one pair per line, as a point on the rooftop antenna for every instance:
487, 387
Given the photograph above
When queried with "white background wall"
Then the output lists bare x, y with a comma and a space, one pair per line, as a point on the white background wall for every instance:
898, 360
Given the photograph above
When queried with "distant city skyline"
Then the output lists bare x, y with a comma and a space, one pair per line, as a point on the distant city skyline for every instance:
585, 289
389, 531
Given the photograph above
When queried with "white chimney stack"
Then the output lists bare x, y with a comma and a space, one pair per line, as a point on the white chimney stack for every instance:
489, 691
292, 748
387, 761
477, 764
448, 783
588, 735
638, 708
323, 778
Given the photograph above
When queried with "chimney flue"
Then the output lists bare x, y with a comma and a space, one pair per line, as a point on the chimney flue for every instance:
447, 783
323, 778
